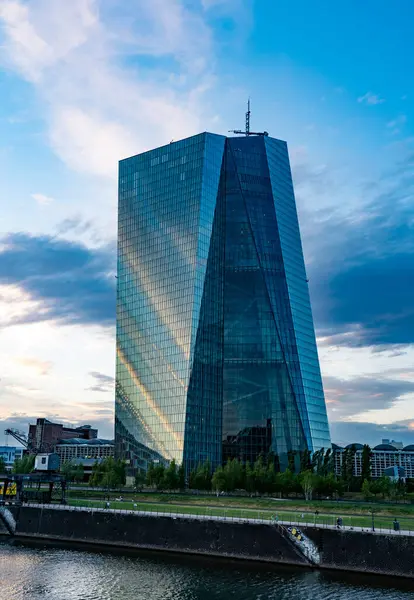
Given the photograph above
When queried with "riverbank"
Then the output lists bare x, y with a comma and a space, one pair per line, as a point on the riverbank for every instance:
247, 539
264, 509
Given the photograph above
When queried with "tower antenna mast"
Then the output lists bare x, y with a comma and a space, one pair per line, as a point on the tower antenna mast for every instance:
247, 131
248, 118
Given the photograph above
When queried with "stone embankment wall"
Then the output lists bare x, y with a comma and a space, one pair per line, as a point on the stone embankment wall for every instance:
381, 553
346, 550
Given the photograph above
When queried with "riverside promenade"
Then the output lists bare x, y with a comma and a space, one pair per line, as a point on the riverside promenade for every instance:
233, 518
298, 543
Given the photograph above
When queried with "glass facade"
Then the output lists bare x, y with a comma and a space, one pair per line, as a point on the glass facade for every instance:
216, 351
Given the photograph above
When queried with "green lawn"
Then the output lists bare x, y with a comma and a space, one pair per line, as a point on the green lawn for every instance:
284, 511
255, 503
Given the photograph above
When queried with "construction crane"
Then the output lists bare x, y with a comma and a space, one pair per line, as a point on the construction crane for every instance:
247, 131
19, 436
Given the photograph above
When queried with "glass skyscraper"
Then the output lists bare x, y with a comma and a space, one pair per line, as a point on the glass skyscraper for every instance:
216, 350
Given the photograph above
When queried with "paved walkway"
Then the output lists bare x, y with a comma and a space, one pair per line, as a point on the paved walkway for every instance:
172, 515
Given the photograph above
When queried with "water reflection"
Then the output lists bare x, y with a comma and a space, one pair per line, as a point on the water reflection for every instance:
59, 574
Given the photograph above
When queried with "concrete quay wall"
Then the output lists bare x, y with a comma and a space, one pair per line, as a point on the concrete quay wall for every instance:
365, 552
387, 554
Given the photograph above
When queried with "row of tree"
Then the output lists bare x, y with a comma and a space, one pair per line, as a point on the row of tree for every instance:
171, 477
72, 471
308, 475
109, 473
385, 488
261, 477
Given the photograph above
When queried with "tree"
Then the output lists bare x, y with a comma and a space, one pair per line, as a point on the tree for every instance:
155, 475
398, 490
375, 487
24, 465
140, 478
348, 462
317, 462
273, 459
219, 480
109, 479
285, 482
409, 485
200, 478
109, 473
291, 460
2, 465
235, 474
328, 485
366, 490
366, 463
308, 481
170, 479
70, 470
260, 475
96, 476
305, 461
270, 479
384, 484
119, 467
79, 474
328, 463
181, 477
250, 483
150, 477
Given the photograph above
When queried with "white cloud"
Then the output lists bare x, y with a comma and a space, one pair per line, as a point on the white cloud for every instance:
42, 199
101, 102
396, 124
16, 304
42, 375
38, 38
40, 367
400, 410
363, 361
371, 99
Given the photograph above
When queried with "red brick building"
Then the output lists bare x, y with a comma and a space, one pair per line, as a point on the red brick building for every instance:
44, 436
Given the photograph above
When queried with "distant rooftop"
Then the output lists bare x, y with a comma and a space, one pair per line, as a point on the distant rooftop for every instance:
82, 442
385, 446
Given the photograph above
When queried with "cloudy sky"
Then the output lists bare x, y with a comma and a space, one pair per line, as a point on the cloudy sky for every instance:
84, 83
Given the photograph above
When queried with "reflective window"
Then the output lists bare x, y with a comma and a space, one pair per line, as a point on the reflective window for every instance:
216, 352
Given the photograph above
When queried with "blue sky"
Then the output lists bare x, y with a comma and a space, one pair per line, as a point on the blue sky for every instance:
87, 82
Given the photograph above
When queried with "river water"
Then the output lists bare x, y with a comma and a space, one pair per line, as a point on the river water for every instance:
51, 573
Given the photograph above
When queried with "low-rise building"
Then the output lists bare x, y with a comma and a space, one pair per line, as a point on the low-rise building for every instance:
44, 436
383, 456
77, 448
9, 454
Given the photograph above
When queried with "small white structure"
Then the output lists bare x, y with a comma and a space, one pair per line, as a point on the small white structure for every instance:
47, 462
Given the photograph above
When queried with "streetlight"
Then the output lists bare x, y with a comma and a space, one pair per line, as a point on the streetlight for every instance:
372, 515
